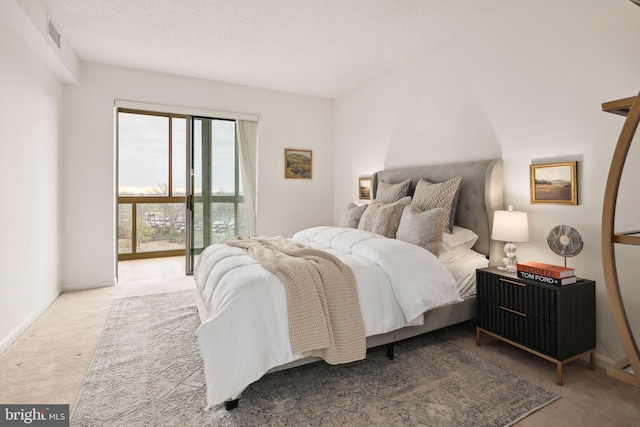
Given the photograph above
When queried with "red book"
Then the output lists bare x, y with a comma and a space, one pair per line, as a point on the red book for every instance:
549, 270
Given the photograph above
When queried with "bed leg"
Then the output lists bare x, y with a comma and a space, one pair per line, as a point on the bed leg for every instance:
390, 351
231, 404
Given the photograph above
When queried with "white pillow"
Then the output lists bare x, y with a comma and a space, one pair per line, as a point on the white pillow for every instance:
459, 237
461, 253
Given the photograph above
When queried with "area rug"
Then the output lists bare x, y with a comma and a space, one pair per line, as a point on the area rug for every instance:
147, 371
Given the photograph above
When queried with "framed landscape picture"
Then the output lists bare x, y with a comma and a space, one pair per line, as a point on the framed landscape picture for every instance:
364, 188
298, 163
554, 183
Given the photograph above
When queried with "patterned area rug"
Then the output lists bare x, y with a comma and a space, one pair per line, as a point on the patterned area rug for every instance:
147, 371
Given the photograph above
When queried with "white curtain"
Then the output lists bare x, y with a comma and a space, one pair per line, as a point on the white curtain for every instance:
247, 132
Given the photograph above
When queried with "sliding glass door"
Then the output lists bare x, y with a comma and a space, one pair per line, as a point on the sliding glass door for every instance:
164, 160
215, 202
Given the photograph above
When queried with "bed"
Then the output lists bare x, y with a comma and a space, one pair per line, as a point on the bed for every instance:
243, 307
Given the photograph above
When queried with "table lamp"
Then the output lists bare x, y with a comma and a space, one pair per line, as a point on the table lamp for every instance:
510, 226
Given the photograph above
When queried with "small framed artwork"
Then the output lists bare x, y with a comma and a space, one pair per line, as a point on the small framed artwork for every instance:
554, 183
298, 163
364, 188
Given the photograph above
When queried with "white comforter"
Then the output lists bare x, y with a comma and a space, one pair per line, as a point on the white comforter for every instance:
248, 333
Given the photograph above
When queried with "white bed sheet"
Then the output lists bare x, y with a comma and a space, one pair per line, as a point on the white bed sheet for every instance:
247, 333
462, 264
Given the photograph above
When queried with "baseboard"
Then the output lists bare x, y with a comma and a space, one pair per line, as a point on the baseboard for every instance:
603, 361
84, 286
22, 327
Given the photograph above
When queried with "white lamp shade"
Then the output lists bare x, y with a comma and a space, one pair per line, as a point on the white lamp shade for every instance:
510, 226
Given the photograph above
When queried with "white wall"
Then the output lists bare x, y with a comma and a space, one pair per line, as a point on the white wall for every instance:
524, 85
88, 180
30, 105
30, 18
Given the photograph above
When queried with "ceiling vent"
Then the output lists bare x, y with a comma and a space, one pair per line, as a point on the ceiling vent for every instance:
54, 34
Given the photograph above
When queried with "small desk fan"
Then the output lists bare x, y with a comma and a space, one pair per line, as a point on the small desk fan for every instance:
565, 241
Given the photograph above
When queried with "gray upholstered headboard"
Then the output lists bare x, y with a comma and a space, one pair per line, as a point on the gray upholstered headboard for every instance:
481, 193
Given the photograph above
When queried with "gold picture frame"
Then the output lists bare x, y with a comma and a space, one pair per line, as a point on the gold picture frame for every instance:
298, 164
364, 188
554, 183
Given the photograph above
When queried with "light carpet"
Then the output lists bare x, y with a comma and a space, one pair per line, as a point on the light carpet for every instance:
147, 371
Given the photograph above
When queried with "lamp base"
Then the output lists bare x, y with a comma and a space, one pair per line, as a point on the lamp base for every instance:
510, 260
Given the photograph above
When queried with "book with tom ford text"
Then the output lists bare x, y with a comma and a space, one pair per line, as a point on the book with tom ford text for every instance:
546, 279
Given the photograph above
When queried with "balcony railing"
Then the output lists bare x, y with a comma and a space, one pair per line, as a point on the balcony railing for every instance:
150, 227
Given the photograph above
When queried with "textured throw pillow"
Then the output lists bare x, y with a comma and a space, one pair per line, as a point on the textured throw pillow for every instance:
389, 193
383, 219
443, 195
422, 228
351, 215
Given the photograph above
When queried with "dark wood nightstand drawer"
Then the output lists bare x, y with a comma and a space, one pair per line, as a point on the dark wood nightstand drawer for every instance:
504, 292
543, 303
517, 326
502, 320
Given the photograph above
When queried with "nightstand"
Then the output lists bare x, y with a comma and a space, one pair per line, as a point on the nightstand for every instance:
554, 322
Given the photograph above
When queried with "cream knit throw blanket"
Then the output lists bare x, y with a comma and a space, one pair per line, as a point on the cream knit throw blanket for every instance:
322, 298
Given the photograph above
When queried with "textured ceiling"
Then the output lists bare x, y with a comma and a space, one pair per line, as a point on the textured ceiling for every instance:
313, 47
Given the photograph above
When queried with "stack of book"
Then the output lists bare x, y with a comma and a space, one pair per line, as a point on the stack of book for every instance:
546, 273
